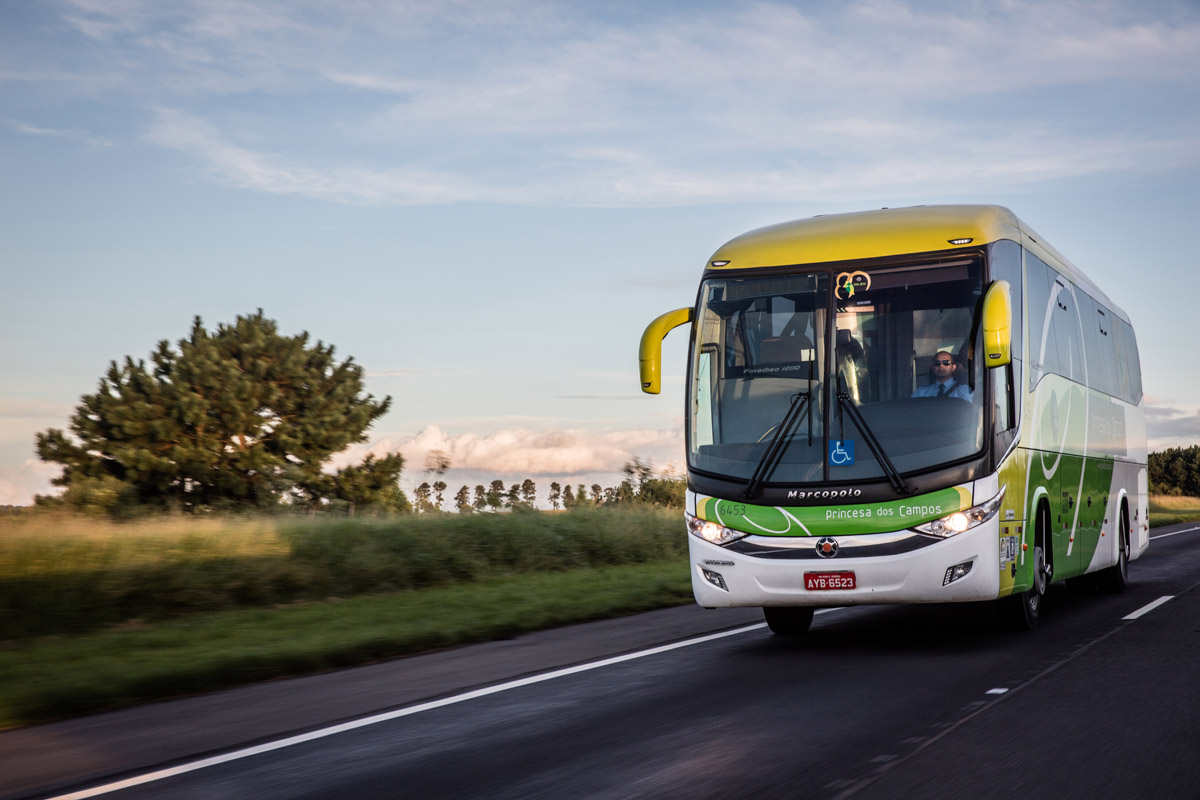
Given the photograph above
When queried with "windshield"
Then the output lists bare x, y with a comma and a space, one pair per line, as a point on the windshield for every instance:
901, 351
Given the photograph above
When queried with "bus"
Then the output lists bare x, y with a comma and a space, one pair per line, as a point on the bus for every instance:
914, 405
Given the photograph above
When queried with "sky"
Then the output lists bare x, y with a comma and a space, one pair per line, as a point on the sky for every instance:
484, 203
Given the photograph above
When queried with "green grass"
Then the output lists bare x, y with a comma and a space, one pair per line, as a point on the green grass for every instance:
55, 677
68, 576
1163, 519
1173, 510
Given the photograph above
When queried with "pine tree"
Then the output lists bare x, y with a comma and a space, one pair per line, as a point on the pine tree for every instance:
439, 490
555, 495
495, 494
480, 497
371, 486
424, 494
462, 501
568, 497
529, 492
236, 417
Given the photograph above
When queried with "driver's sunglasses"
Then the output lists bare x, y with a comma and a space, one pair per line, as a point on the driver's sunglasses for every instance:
945, 362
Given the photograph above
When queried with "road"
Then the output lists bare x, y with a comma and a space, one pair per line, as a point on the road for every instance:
685, 703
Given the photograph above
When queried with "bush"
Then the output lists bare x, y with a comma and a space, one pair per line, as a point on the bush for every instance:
65, 575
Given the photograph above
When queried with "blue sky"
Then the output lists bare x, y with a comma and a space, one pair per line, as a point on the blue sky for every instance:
485, 202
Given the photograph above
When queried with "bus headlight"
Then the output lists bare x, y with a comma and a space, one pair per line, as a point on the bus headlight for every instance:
711, 531
964, 520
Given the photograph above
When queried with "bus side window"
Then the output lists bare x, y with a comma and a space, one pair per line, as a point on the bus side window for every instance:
1043, 347
1001, 401
1005, 265
1129, 366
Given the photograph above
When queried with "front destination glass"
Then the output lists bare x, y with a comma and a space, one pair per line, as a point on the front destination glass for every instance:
776, 360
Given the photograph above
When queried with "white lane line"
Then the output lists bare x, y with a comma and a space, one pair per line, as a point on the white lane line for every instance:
1175, 533
279, 744
1146, 609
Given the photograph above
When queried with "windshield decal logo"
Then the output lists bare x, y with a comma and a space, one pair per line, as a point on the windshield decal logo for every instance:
851, 283
798, 494
841, 452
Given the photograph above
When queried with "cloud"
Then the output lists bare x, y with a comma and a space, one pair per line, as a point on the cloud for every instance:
19, 485
57, 133
244, 168
434, 103
1167, 426
528, 453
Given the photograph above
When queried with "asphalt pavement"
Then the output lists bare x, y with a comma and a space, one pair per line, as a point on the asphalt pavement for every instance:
919, 701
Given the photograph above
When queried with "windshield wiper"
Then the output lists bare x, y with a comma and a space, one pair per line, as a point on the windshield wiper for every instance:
889, 469
779, 442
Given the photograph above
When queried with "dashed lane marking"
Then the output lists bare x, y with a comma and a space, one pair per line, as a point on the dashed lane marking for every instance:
333, 730
1146, 609
1175, 533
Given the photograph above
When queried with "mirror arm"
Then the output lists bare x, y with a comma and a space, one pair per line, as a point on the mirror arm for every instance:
650, 349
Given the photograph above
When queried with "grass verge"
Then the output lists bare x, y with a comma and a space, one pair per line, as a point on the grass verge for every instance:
1173, 510
69, 576
51, 678
1163, 519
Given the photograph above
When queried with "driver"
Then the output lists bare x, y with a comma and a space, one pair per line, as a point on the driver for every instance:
944, 383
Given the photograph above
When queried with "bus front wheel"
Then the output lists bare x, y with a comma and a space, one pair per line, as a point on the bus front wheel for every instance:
789, 620
1024, 609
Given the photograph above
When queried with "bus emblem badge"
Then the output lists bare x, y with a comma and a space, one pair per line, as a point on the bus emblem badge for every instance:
827, 547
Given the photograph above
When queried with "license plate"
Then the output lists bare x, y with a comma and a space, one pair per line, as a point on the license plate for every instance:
829, 580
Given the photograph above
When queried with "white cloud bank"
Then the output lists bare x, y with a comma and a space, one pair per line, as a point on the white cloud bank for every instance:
527, 453
19, 485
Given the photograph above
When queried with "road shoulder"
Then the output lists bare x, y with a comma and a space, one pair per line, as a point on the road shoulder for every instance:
44, 758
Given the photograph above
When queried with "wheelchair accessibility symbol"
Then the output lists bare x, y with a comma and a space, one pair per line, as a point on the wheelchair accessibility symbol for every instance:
841, 452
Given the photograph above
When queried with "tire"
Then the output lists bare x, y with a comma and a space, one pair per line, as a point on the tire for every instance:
1114, 579
788, 620
1025, 609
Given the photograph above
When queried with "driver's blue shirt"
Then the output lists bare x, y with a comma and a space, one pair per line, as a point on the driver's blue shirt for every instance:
959, 391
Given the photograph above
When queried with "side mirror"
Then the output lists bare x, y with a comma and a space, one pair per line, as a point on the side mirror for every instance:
997, 325
650, 350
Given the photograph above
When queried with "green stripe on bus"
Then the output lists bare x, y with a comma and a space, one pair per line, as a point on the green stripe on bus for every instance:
834, 520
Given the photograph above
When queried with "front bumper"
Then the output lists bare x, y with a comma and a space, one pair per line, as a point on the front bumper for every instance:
899, 567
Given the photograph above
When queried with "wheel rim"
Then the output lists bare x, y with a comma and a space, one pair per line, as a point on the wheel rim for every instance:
1039, 570
1123, 553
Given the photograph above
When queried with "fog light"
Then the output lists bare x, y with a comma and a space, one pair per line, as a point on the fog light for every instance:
715, 579
956, 572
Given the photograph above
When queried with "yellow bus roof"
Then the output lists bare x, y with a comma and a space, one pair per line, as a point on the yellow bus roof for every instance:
867, 234
890, 232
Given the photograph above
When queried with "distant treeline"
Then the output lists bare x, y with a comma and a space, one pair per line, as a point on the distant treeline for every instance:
1175, 471
640, 487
